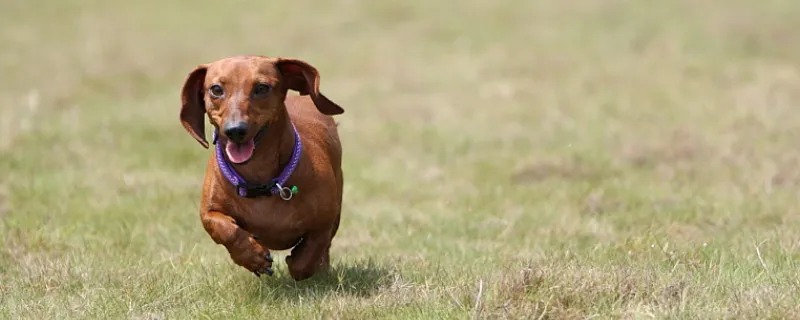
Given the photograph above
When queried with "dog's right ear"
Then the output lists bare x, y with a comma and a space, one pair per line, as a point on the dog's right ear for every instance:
193, 106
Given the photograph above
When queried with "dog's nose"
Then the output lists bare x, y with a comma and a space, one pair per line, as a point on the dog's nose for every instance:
236, 131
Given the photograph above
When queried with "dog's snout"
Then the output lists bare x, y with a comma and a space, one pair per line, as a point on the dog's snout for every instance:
236, 131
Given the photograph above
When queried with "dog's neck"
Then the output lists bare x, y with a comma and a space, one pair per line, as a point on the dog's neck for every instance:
272, 152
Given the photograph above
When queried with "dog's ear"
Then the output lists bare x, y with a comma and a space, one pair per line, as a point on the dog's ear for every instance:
193, 106
302, 77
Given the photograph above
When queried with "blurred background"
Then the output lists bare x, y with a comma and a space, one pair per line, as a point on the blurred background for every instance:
565, 159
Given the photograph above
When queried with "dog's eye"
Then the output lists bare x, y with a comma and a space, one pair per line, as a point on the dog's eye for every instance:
260, 90
216, 91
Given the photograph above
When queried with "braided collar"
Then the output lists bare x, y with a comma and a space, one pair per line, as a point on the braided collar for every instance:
275, 187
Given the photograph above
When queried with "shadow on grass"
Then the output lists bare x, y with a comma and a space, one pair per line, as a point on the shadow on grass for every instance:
356, 278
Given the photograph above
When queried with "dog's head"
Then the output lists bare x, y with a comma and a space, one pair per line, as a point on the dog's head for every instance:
243, 95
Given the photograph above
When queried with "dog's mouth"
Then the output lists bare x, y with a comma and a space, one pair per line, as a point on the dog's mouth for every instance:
240, 152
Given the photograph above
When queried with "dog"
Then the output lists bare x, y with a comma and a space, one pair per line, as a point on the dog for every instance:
274, 180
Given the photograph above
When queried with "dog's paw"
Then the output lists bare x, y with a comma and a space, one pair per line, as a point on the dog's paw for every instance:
255, 258
297, 271
267, 270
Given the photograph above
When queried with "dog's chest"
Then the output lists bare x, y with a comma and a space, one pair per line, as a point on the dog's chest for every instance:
277, 224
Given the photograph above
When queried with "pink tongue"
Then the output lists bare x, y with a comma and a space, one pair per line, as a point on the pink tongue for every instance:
240, 152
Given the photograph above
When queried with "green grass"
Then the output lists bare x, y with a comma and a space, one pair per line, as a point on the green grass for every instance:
507, 159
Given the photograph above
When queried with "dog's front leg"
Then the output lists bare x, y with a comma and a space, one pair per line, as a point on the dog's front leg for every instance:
244, 250
310, 256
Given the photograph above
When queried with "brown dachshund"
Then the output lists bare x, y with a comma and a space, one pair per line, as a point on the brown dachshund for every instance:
275, 179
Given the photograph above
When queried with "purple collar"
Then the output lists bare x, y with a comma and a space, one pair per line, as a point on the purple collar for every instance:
274, 187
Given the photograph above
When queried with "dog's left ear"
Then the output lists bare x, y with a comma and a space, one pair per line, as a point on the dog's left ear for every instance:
302, 77
193, 106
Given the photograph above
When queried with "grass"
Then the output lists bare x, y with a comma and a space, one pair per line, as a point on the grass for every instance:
514, 159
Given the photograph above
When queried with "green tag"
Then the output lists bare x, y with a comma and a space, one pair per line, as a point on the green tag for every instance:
294, 189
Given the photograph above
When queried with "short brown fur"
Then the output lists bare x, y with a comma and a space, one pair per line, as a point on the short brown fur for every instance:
249, 227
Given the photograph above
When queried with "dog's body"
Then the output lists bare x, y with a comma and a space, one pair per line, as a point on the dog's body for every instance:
242, 97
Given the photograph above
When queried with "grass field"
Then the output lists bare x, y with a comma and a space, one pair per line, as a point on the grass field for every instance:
531, 159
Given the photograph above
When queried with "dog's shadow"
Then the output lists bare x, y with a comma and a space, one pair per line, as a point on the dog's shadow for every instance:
358, 278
